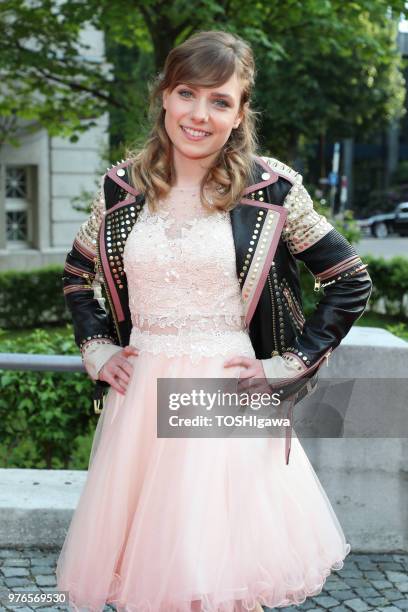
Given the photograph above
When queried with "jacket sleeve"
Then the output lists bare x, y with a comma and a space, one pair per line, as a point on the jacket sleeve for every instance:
92, 323
337, 269
278, 368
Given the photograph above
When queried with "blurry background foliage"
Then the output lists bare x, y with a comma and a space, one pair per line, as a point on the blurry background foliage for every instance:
46, 418
334, 64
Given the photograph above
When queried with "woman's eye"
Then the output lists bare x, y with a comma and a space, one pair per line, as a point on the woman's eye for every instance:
222, 103
183, 91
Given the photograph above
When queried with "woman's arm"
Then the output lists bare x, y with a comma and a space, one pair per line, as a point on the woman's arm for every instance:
92, 325
337, 268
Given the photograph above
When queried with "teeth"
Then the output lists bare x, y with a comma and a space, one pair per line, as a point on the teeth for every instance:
194, 132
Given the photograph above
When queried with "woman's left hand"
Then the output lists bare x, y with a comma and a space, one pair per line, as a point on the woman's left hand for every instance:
276, 369
253, 369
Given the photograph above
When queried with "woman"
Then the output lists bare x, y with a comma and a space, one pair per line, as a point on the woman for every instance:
195, 239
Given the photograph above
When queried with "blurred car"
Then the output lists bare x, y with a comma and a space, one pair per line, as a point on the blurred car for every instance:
382, 225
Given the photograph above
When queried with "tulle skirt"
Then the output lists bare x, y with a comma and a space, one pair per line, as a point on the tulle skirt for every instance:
193, 524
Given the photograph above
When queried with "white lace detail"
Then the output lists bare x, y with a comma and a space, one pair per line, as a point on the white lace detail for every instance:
195, 344
184, 294
173, 324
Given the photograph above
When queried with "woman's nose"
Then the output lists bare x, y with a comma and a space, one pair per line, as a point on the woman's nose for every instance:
200, 110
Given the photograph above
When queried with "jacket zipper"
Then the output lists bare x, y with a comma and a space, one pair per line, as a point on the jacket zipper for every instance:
88, 278
354, 271
336, 270
275, 352
292, 306
99, 262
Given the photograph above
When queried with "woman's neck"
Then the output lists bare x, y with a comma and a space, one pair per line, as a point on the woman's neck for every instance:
190, 172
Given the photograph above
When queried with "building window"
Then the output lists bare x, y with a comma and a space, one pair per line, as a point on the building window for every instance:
18, 205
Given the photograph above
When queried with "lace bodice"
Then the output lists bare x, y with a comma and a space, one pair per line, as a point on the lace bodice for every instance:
184, 294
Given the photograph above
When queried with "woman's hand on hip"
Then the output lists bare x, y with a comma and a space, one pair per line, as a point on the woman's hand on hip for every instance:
252, 369
270, 371
117, 370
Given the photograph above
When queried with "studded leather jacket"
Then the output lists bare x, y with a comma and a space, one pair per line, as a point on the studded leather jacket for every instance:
274, 227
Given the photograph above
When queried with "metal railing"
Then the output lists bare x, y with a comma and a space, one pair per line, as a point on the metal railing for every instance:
41, 363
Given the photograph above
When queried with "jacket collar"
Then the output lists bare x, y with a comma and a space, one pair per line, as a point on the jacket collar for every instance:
264, 177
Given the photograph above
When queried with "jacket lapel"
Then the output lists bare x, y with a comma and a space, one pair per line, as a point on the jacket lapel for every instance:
113, 232
256, 226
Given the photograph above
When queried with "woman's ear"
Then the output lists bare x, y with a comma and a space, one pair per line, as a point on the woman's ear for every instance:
240, 115
237, 122
164, 98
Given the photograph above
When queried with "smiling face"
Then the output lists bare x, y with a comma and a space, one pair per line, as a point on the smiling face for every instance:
199, 120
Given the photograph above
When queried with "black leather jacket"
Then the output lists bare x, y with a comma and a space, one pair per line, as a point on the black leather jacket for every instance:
274, 227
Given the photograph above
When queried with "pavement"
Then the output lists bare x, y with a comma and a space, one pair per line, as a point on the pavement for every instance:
383, 247
366, 582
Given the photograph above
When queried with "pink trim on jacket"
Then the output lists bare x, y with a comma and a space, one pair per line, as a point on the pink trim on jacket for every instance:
272, 179
112, 174
282, 214
108, 275
129, 200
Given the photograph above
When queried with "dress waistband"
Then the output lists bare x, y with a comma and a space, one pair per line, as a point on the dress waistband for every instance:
188, 324
195, 343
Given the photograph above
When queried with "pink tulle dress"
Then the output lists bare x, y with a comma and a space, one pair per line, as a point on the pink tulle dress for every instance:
191, 524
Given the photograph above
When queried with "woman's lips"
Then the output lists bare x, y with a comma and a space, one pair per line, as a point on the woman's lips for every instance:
190, 136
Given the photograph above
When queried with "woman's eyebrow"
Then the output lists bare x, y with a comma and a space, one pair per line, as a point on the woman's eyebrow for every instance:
222, 95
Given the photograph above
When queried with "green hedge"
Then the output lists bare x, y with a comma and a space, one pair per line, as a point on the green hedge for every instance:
46, 418
32, 298
390, 283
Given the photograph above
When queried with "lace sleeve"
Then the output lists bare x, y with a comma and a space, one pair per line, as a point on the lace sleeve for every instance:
96, 355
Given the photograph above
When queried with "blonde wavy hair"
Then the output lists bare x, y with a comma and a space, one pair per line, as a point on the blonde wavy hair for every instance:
205, 59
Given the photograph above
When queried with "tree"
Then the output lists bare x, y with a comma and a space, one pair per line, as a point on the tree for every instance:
44, 78
340, 72
322, 64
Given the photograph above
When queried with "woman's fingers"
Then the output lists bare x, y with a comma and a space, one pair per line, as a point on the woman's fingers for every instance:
244, 362
125, 367
121, 373
117, 384
238, 361
248, 373
252, 375
130, 350
118, 369
124, 364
